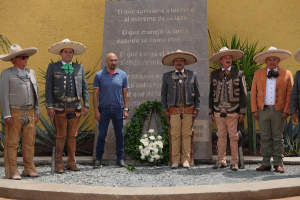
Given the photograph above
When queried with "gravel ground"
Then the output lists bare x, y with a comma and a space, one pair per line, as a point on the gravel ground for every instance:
162, 176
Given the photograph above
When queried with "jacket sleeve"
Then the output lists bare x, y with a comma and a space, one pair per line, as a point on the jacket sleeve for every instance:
254, 94
211, 93
4, 90
85, 90
288, 93
294, 104
48, 86
197, 93
164, 93
37, 103
243, 92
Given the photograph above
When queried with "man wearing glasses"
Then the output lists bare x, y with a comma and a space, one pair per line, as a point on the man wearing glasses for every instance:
180, 101
21, 110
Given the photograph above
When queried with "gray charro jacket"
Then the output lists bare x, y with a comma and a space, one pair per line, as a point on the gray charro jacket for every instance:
295, 100
56, 84
168, 90
13, 89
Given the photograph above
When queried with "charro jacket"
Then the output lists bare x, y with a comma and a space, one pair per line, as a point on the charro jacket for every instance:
168, 90
56, 83
295, 100
13, 89
231, 90
284, 84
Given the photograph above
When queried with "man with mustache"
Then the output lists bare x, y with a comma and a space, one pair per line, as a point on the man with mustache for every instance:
227, 103
180, 101
65, 85
270, 104
111, 102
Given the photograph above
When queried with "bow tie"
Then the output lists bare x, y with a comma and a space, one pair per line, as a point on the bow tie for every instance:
225, 73
68, 68
272, 73
178, 76
24, 75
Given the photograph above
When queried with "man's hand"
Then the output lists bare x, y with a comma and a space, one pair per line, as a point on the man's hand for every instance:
51, 112
241, 117
295, 117
37, 118
85, 111
284, 116
212, 117
195, 114
9, 121
256, 115
125, 114
97, 115
167, 115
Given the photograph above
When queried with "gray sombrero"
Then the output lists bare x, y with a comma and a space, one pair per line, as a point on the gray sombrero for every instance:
16, 50
297, 55
224, 51
189, 57
66, 43
272, 52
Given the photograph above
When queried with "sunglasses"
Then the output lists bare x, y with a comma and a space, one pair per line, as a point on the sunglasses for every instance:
22, 57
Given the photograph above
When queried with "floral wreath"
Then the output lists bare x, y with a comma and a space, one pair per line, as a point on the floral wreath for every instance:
134, 130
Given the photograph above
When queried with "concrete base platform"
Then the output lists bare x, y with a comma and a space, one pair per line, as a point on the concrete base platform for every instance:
258, 190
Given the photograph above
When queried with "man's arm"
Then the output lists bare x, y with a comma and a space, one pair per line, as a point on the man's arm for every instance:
48, 91
95, 103
164, 93
37, 103
243, 97
294, 104
85, 94
4, 91
126, 102
254, 108
286, 111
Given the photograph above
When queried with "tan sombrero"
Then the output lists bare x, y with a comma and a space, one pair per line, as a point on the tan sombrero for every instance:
66, 43
272, 52
224, 51
16, 50
297, 55
189, 57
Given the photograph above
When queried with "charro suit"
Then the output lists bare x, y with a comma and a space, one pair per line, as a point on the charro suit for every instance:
295, 100
186, 94
15, 94
270, 121
63, 93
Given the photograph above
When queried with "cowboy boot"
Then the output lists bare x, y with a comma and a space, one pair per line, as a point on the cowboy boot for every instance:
59, 165
71, 145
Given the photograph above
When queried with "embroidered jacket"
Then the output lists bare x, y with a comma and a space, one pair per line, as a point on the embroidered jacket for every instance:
231, 90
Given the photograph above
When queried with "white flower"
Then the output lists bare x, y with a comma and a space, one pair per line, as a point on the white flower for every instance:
152, 137
151, 160
142, 140
156, 150
152, 146
146, 140
143, 157
143, 152
159, 137
146, 144
147, 153
140, 147
151, 131
145, 135
157, 157
153, 155
160, 146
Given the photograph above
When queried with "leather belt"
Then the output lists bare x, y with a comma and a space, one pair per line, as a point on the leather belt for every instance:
68, 99
229, 110
271, 107
68, 110
181, 109
24, 108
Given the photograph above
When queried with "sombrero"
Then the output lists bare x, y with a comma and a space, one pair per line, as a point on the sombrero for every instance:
297, 55
16, 50
66, 43
272, 52
189, 57
224, 51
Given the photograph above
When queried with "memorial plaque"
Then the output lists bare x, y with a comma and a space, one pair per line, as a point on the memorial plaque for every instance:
140, 33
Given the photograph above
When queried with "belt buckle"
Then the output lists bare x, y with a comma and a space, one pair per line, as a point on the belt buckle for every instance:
271, 107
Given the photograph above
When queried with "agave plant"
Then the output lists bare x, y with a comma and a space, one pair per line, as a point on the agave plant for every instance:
291, 138
246, 64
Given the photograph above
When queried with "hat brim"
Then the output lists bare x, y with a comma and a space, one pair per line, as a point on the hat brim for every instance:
28, 52
236, 54
169, 58
297, 55
281, 54
78, 48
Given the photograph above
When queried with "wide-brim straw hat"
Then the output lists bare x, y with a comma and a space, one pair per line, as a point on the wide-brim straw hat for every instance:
224, 51
272, 52
78, 48
16, 50
170, 57
297, 55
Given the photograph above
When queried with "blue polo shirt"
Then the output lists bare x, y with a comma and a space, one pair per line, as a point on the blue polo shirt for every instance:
110, 87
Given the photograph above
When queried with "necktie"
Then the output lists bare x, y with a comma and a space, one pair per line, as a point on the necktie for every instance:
225, 73
68, 68
272, 73
24, 75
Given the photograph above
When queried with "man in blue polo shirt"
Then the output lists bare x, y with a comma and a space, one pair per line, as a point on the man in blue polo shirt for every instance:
110, 91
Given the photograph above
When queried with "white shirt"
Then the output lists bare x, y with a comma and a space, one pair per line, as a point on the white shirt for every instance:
65, 63
270, 89
182, 71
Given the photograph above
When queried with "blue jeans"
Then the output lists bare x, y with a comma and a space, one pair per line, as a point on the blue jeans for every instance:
116, 115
